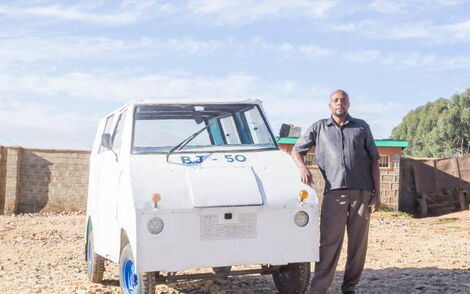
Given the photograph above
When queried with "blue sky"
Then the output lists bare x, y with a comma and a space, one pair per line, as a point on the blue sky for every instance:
65, 64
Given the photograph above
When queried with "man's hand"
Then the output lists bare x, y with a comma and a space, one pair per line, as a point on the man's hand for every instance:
374, 202
306, 176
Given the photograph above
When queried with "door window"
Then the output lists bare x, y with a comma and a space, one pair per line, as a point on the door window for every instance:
107, 129
117, 136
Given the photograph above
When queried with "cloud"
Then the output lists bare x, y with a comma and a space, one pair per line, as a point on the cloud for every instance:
56, 47
28, 123
458, 32
387, 6
121, 87
403, 60
122, 13
228, 12
362, 55
311, 51
70, 13
242, 12
33, 124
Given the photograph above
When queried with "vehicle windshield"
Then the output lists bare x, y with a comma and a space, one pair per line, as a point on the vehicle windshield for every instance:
159, 128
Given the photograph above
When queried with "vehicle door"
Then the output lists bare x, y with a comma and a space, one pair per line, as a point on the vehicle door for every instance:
110, 174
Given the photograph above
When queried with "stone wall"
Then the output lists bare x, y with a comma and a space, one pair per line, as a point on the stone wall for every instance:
43, 180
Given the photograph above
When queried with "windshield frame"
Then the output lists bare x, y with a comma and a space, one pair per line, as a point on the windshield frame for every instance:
204, 149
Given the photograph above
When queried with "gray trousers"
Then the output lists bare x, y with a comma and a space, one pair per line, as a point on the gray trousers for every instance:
341, 209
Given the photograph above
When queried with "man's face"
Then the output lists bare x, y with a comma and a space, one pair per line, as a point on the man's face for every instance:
339, 104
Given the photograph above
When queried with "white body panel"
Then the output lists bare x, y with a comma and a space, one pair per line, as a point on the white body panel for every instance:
260, 193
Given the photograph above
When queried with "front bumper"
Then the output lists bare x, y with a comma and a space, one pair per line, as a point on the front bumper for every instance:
208, 237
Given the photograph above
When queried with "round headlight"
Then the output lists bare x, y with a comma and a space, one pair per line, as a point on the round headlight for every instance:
301, 218
155, 225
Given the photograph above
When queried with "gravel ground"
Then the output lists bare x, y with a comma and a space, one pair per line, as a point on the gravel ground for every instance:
43, 253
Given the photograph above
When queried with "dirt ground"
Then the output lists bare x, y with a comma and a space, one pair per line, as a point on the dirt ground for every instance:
43, 253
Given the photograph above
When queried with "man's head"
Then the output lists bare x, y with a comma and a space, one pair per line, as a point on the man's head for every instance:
339, 103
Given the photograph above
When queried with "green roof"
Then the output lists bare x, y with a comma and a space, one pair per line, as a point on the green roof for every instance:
391, 143
378, 143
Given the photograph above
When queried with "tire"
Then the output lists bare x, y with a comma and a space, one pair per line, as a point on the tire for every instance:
131, 281
95, 262
292, 278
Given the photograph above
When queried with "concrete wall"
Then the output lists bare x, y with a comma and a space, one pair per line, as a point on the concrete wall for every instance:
439, 177
43, 180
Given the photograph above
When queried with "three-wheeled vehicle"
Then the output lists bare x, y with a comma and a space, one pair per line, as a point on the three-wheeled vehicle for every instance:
180, 185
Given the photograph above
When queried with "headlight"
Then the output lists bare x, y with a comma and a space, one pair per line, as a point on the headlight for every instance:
301, 218
155, 225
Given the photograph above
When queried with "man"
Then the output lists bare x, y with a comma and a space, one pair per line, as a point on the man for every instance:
348, 160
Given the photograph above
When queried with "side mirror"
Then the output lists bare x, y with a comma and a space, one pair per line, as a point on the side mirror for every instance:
290, 130
106, 141
284, 131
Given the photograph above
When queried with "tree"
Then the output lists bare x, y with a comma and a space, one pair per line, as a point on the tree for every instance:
437, 129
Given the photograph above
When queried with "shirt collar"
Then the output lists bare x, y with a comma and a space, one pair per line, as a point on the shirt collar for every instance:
330, 121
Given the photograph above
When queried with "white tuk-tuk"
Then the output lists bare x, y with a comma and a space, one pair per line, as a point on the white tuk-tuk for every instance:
180, 185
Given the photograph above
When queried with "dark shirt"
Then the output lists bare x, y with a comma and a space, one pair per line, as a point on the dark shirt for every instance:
344, 154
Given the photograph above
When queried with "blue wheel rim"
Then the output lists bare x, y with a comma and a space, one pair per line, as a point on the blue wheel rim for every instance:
89, 256
130, 277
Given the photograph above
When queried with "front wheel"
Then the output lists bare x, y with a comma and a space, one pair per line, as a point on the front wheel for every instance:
95, 263
130, 280
292, 278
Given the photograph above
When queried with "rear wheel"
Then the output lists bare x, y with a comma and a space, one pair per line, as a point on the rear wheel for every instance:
95, 263
130, 280
292, 278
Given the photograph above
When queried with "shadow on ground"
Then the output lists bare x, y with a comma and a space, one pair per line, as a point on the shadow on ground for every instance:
429, 280
383, 281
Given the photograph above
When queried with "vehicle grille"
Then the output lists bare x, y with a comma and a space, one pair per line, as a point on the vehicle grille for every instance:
215, 227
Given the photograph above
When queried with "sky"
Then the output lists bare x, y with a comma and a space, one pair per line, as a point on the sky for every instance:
66, 64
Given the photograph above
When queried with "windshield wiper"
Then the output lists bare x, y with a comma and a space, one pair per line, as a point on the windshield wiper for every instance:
186, 141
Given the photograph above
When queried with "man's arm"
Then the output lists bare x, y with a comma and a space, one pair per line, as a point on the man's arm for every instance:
305, 174
375, 200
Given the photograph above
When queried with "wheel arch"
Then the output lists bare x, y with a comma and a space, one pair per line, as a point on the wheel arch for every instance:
124, 240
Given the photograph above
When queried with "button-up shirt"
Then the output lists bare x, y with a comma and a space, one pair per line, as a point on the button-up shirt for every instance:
344, 154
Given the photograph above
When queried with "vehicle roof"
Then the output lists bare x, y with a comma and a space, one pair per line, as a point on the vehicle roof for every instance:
197, 101
186, 101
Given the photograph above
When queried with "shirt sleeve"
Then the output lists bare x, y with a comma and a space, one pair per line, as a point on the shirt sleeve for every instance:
370, 145
307, 141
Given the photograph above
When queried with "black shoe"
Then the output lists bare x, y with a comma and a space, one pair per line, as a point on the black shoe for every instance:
349, 292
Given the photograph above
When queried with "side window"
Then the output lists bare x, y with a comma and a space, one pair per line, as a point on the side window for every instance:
230, 130
117, 136
107, 129
384, 161
258, 129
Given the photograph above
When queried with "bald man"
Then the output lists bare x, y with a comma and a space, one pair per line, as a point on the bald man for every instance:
348, 160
